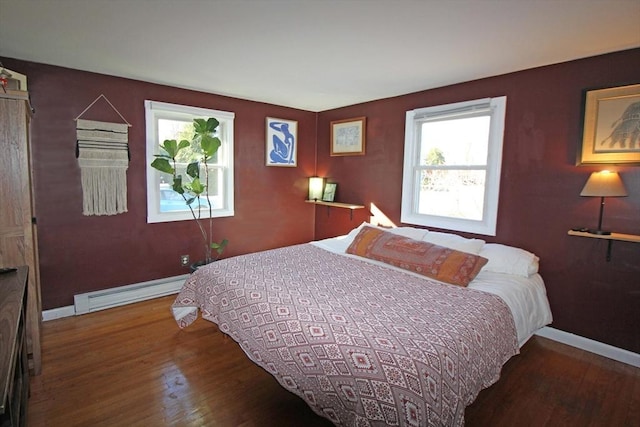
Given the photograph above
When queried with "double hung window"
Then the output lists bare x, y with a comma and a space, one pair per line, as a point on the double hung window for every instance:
169, 121
452, 163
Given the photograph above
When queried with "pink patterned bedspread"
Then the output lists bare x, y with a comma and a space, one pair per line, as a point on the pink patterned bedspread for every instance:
360, 343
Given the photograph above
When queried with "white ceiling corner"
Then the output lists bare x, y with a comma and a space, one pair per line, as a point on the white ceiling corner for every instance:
311, 54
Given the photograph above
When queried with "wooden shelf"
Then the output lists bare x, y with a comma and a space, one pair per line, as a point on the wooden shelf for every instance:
349, 206
335, 204
610, 237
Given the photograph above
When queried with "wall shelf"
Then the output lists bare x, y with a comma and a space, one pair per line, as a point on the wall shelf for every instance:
609, 237
349, 206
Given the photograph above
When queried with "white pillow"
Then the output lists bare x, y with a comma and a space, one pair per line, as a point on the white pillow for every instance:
509, 260
410, 232
453, 241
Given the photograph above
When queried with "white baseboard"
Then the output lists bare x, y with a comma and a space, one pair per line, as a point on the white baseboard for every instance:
114, 297
58, 313
606, 350
121, 295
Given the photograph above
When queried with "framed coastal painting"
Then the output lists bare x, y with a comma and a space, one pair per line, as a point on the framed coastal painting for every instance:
282, 142
611, 126
348, 137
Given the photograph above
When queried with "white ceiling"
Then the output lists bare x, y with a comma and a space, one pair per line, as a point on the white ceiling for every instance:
313, 54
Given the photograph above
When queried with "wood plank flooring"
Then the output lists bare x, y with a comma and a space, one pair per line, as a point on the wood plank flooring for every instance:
132, 366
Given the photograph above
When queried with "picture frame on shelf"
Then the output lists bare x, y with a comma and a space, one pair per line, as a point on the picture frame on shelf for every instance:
329, 193
348, 137
281, 142
609, 118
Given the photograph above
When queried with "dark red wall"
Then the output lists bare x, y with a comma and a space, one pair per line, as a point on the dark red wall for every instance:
539, 192
539, 197
84, 253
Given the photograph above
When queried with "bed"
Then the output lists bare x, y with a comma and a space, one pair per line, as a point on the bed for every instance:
366, 340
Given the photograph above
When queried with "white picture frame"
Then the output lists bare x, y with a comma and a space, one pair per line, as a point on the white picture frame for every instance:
281, 142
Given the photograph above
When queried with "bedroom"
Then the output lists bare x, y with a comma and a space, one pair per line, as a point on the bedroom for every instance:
540, 200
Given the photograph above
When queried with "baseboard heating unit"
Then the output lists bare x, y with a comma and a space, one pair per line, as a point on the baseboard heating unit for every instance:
122, 295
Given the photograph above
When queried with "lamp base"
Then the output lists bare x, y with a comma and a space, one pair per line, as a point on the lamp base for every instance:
599, 232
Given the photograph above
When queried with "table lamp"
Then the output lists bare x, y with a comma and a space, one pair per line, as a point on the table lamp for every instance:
316, 186
603, 184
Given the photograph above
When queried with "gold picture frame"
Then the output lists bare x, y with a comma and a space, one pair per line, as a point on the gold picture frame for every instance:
348, 137
611, 126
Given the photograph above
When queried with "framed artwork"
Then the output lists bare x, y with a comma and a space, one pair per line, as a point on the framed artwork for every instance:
329, 192
282, 142
611, 126
348, 137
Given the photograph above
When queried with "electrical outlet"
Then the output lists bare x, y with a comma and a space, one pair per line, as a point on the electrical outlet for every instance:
184, 260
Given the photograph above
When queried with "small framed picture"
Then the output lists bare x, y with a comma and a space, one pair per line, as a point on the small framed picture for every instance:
348, 137
282, 142
610, 119
329, 192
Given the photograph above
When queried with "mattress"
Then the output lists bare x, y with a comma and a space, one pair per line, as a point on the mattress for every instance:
525, 296
364, 343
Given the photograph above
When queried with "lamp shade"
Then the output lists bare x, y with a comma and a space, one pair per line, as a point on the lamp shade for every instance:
604, 184
316, 186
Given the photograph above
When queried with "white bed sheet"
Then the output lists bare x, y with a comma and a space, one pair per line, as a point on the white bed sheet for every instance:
525, 296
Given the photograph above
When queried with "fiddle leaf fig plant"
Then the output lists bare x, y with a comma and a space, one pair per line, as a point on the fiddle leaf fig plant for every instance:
193, 188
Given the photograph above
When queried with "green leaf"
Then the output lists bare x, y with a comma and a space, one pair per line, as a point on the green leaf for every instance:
196, 187
219, 247
212, 124
193, 170
210, 145
177, 184
163, 165
200, 125
170, 146
183, 144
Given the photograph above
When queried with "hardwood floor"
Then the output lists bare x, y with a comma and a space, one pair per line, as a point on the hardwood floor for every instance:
132, 366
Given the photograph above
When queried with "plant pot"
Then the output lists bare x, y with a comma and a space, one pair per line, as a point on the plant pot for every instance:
196, 265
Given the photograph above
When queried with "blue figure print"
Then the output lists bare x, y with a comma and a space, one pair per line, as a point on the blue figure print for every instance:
283, 145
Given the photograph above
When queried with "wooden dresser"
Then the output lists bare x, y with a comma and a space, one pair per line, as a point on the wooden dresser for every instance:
14, 364
18, 230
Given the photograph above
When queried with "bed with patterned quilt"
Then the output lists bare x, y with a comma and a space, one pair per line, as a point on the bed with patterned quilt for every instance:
379, 327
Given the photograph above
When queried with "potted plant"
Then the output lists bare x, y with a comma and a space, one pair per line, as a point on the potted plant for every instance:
195, 189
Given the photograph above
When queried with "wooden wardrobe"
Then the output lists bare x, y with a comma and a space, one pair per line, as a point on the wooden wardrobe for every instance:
18, 236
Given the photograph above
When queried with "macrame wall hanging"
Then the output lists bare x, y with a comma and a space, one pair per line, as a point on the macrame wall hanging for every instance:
103, 157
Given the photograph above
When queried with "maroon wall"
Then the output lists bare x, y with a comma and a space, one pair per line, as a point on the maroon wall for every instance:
539, 192
539, 198
84, 253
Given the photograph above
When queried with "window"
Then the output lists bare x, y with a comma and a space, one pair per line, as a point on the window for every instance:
452, 161
170, 121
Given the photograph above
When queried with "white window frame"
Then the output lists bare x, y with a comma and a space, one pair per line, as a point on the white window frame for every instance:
411, 173
154, 111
